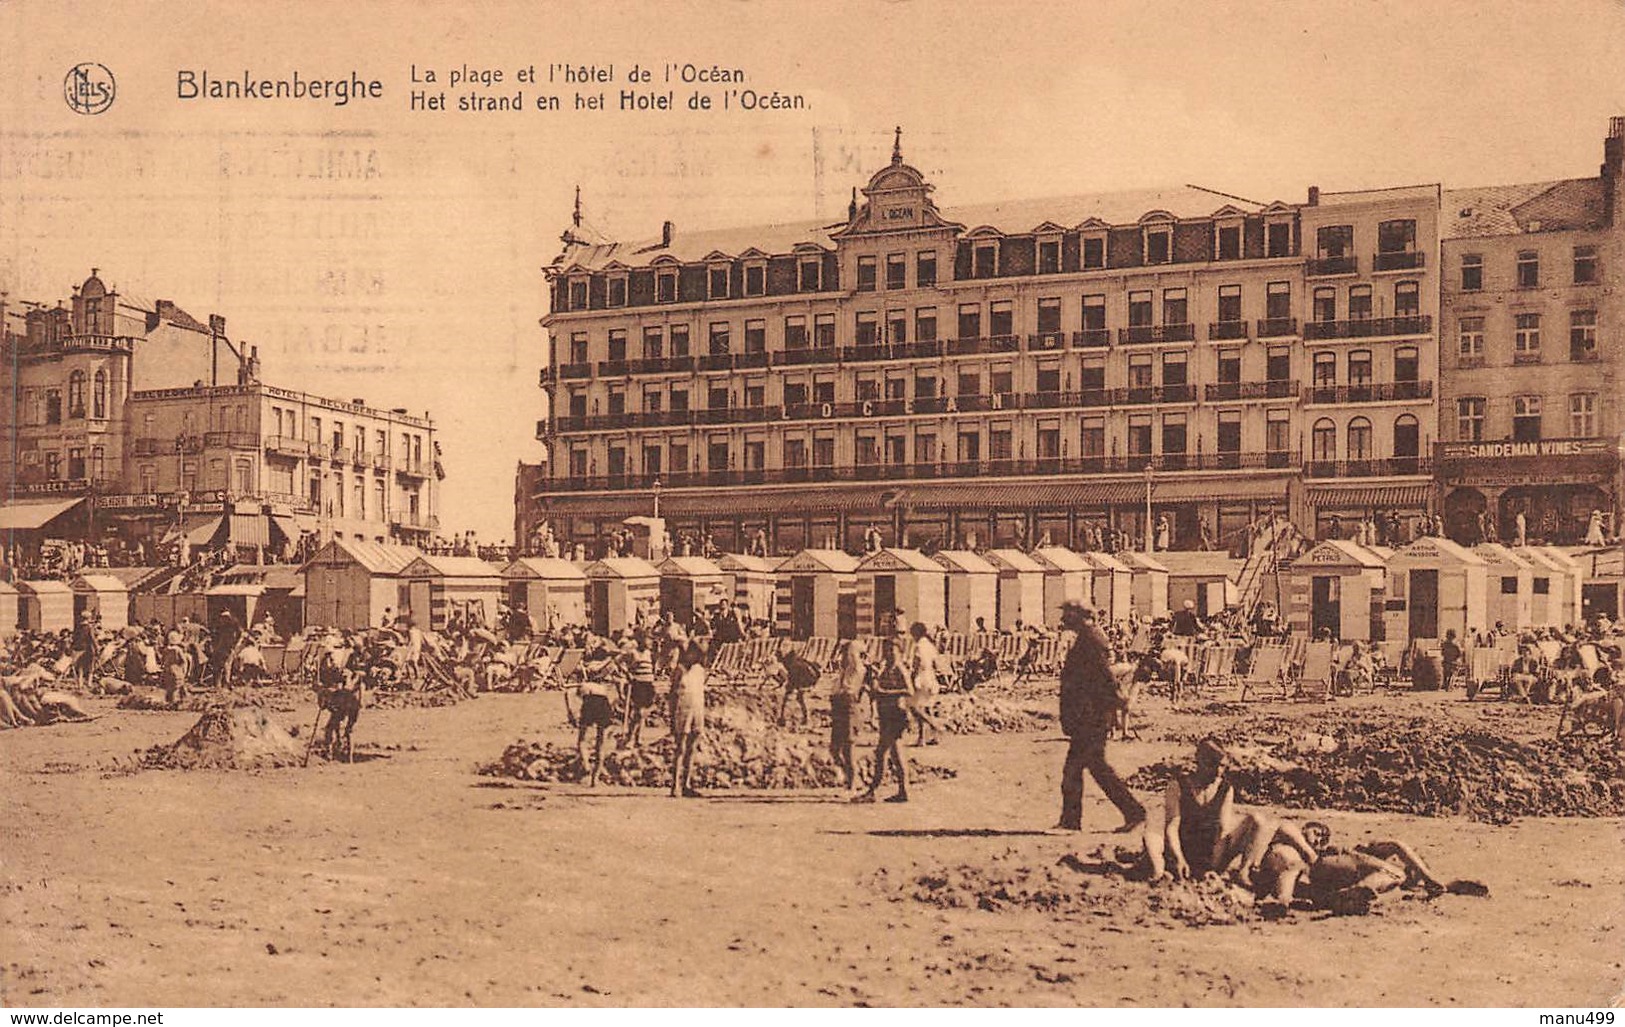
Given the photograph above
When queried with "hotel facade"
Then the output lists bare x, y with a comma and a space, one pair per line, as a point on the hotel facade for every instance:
999, 374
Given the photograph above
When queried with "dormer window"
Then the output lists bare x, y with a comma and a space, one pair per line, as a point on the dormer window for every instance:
1227, 241
1049, 255
578, 294
617, 290
985, 263
717, 282
666, 286
1159, 245
1278, 238
1094, 250
756, 278
808, 275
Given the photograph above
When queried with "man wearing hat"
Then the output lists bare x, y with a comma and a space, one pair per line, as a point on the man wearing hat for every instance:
1089, 703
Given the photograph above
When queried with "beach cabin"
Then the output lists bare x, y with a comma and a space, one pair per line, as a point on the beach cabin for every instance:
900, 579
972, 591
1434, 586
1572, 587
1206, 579
817, 595
242, 600
1604, 576
690, 585
1510, 586
550, 591
752, 582
10, 610
1067, 579
1021, 588
1113, 586
1337, 586
1148, 582
351, 584
439, 589
104, 595
44, 605
1547, 607
620, 590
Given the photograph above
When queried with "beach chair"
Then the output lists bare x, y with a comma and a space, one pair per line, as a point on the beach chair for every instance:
567, 667
1264, 670
1218, 668
1315, 673
1391, 668
1484, 670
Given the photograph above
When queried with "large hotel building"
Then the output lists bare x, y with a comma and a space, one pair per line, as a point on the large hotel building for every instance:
1000, 374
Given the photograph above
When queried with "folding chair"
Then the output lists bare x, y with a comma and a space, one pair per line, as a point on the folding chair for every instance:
1315, 677
1264, 670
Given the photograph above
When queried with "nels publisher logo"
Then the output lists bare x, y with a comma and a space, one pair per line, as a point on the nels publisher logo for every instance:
89, 88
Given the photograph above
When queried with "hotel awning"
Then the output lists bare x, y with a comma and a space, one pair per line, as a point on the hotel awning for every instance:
250, 529
1369, 495
27, 515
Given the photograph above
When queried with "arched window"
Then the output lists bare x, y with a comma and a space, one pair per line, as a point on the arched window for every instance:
98, 396
76, 394
1323, 441
1407, 437
1359, 445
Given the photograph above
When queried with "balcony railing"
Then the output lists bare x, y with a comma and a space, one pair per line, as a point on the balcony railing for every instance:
320, 451
716, 362
1392, 466
1368, 327
287, 445
362, 458
614, 368
758, 358
1399, 261
575, 370
1138, 395
1072, 466
1046, 340
798, 357
1092, 338
340, 454
658, 365
1142, 334
231, 440
1277, 327
1227, 330
871, 351
1225, 392
412, 469
1321, 266
1376, 392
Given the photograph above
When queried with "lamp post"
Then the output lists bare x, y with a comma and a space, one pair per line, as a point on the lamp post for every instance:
657, 498
1150, 539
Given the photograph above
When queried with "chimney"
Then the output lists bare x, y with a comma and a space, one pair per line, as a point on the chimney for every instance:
666, 229
852, 207
217, 325
1314, 196
1613, 166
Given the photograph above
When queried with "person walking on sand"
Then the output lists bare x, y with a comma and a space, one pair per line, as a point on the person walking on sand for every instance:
890, 691
1089, 706
851, 682
688, 718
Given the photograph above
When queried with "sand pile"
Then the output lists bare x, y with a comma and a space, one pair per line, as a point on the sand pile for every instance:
227, 739
975, 714
1092, 887
739, 750
1419, 766
277, 698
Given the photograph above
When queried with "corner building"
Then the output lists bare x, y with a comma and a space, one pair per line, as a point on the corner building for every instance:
999, 373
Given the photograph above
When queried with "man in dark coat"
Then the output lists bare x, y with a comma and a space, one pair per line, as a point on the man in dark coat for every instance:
1089, 701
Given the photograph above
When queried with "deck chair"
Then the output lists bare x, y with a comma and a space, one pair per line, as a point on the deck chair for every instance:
568, 666
1218, 668
1392, 668
1315, 677
1264, 670
1483, 669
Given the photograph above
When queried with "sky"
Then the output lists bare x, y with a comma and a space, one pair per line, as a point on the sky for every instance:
373, 251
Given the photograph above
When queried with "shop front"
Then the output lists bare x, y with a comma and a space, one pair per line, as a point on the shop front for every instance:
1555, 485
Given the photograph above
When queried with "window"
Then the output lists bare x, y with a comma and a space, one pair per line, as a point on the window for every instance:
970, 383
76, 395
1582, 334
1139, 435
578, 347
1526, 418
1092, 437
970, 447
679, 340
716, 456
617, 344
1094, 313
1278, 433
1174, 368
616, 402
653, 400
1139, 309
1471, 338
1049, 379
1230, 433
1325, 370
617, 291
1323, 441
1526, 337
1139, 371
1360, 368
679, 400
654, 343
1049, 442
1001, 318
1175, 307
970, 320
795, 332
1407, 364
1407, 437
756, 336
1093, 374
866, 274
578, 294
925, 386
1278, 364
76, 463
1528, 269
718, 345
808, 274
717, 395
755, 279
1472, 272
866, 329
679, 457
999, 381
896, 271
1049, 315
1359, 302
795, 452
1396, 236
824, 331
1228, 246
1230, 366
53, 465
986, 261
925, 324
1278, 239
1583, 415
925, 448
1094, 251
1334, 241
717, 282
1230, 303
1359, 447
1049, 256
897, 327
1158, 246
1173, 434
795, 393
1325, 305
925, 269
1278, 301
1585, 265
98, 396
866, 388
1407, 299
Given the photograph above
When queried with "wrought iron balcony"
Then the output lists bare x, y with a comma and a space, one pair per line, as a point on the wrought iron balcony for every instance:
1388, 467
286, 445
1046, 340
1372, 392
799, 357
1092, 338
1224, 392
575, 371
1227, 330
758, 358
1277, 327
1398, 261
716, 362
1368, 327
1317, 267
1143, 334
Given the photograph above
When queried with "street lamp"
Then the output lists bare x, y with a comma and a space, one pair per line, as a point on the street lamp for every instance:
1150, 542
657, 498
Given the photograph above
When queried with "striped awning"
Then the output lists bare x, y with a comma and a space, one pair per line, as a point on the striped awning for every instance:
250, 529
1368, 495
31, 516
